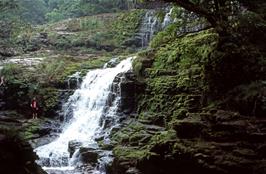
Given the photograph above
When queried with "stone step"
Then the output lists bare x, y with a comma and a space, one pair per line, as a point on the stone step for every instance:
188, 128
153, 129
161, 72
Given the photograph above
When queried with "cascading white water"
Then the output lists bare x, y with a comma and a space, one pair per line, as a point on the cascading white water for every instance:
74, 77
88, 105
151, 25
167, 18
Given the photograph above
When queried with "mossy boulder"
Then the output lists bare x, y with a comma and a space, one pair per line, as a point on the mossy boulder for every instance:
126, 158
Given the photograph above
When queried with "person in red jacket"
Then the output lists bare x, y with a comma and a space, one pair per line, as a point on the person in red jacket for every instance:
34, 107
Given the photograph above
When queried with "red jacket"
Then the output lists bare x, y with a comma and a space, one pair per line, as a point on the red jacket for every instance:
34, 104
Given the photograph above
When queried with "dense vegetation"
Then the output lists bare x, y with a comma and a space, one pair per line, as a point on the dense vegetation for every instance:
41, 11
236, 47
81, 44
199, 87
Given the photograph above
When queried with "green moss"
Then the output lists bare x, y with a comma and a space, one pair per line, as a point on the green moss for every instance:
127, 25
180, 113
163, 138
130, 134
165, 36
176, 71
152, 118
185, 51
95, 63
29, 130
160, 14
138, 67
130, 153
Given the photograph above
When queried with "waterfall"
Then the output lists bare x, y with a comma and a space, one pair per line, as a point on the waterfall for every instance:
88, 105
167, 18
73, 80
151, 25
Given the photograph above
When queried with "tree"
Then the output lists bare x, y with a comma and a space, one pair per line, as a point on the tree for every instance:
7, 5
219, 13
240, 54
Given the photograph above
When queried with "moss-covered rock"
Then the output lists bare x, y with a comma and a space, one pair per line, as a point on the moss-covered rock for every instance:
197, 135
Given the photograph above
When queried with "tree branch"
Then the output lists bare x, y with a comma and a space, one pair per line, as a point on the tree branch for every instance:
196, 8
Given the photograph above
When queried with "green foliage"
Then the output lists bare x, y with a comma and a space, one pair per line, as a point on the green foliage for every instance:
91, 24
164, 37
160, 14
185, 51
95, 63
54, 16
138, 67
248, 99
95, 34
49, 98
51, 70
63, 9
24, 10
175, 82
29, 131
126, 25
245, 64
10, 71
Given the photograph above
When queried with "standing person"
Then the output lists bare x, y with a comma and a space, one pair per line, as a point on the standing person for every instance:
34, 107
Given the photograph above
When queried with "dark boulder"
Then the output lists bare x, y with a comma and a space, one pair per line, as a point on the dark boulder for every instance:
73, 146
127, 86
89, 155
17, 156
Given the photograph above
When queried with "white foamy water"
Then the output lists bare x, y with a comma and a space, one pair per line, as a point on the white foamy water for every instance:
88, 105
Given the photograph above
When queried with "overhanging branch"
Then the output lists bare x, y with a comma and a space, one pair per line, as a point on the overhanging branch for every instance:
196, 8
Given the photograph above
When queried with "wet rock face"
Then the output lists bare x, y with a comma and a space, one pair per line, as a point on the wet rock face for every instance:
73, 146
220, 142
2, 102
17, 157
89, 156
128, 89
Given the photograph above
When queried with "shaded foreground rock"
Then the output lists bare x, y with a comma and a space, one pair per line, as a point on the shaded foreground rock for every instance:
17, 156
130, 87
222, 142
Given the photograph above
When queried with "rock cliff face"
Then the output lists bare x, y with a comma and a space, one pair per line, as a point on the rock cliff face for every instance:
176, 129
220, 142
17, 157
130, 88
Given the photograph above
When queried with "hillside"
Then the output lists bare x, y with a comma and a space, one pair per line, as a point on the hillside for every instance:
132, 88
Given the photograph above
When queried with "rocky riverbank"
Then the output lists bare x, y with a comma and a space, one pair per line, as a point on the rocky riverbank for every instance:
179, 127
